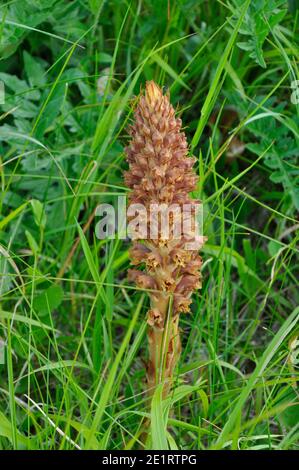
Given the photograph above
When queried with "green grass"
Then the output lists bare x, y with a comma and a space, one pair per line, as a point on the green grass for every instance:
73, 327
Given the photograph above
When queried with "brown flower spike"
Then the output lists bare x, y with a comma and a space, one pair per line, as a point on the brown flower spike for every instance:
160, 172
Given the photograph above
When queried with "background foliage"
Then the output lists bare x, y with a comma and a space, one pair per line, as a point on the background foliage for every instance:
72, 329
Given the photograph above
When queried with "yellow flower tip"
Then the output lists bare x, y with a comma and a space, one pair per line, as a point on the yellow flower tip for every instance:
153, 92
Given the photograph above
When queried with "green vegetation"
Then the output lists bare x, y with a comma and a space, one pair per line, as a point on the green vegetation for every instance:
72, 328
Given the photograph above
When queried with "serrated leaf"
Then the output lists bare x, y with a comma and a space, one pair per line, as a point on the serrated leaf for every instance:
51, 110
34, 70
261, 17
282, 156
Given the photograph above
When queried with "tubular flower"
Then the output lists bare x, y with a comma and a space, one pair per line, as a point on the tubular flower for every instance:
161, 175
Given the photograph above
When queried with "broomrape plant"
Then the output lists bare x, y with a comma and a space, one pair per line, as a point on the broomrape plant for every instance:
161, 175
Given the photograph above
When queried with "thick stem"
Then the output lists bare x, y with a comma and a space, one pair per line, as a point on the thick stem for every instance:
164, 349
164, 352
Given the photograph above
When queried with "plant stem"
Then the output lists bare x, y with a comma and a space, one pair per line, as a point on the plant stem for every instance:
164, 349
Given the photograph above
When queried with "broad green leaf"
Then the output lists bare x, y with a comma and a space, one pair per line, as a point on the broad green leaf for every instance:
39, 213
34, 70
32, 242
48, 300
